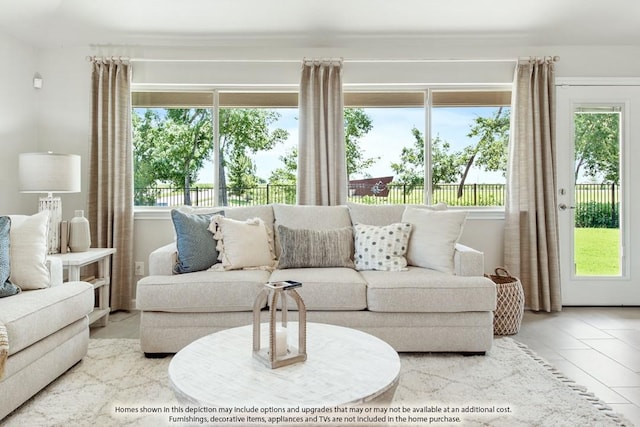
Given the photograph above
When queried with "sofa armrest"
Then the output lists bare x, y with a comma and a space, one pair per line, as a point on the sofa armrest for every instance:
54, 265
468, 261
162, 260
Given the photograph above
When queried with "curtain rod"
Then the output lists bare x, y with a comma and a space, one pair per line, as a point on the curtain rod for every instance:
299, 61
352, 61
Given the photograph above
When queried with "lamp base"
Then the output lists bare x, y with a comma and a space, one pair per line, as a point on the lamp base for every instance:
54, 206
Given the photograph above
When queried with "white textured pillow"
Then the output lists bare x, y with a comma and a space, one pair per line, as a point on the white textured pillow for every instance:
242, 244
381, 248
434, 237
28, 251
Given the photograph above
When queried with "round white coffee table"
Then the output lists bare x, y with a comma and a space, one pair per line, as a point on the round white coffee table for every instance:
343, 367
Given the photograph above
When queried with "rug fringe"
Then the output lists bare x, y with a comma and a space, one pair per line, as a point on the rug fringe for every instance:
579, 389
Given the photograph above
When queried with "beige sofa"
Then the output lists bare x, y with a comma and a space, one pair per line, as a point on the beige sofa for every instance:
417, 310
48, 332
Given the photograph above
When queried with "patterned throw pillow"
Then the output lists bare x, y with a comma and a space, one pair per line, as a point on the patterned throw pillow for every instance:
302, 248
6, 287
381, 248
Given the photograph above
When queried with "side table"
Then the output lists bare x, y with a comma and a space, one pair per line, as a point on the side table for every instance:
74, 261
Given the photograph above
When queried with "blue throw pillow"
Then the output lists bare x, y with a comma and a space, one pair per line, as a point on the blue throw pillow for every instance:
195, 243
6, 287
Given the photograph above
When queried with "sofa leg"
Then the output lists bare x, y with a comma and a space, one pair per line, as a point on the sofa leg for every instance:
157, 355
473, 353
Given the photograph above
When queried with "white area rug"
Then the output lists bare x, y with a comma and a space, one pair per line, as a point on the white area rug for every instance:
115, 385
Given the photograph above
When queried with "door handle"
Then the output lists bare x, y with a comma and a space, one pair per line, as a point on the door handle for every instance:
564, 207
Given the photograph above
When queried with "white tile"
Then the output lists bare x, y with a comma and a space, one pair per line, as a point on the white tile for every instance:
629, 411
619, 351
594, 386
606, 370
632, 394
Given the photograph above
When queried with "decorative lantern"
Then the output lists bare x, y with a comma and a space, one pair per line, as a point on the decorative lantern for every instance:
279, 352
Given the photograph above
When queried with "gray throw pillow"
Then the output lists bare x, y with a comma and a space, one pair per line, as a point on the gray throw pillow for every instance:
315, 248
6, 287
195, 243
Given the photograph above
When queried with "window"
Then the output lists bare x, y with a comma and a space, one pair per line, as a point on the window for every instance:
469, 138
174, 149
469, 141
176, 159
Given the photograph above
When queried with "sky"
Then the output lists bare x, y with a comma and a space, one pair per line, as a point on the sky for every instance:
391, 132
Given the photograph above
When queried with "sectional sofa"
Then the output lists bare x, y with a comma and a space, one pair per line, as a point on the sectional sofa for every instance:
46, 325
394, 271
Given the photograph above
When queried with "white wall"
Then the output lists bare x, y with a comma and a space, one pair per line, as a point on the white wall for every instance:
64, 113
18, 121
63, 103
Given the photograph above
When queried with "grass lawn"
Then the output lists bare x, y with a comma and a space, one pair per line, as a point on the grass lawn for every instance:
597, 251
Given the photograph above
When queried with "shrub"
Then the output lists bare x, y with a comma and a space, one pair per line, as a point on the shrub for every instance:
597, 215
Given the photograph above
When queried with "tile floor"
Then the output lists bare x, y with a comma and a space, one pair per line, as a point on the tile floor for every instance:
597, 347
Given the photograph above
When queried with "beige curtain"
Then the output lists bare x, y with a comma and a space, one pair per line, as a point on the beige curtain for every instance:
110, 204
531, 227
322, 162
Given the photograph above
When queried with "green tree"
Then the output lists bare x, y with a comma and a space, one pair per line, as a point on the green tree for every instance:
171, 145
284, 178
597, 148
410, 168
245, 131
357, 124
490, 152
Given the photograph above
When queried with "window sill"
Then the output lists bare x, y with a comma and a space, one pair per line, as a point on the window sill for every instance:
164, 213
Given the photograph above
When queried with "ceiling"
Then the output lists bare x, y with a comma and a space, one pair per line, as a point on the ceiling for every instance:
63, 23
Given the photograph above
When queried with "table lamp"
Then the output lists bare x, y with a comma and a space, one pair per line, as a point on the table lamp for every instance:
50, 173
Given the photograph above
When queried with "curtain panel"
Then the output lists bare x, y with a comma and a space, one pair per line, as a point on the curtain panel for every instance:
322, 162
110, 201
531, 216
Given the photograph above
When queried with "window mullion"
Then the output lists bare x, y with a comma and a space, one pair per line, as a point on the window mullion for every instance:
427, 147
215, 116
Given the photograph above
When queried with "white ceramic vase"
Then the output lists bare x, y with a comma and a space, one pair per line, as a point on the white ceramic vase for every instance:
79, 235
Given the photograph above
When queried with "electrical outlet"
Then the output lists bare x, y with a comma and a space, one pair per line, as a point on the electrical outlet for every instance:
139, 268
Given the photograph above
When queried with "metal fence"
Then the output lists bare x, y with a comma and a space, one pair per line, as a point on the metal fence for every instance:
591, 199
597, 206
471, 195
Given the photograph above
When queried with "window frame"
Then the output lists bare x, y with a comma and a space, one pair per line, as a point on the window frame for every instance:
149, 96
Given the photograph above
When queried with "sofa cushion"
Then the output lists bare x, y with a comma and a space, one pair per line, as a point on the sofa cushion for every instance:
327, 288
424, 290
434, 237
33, 315
315, 248
310, 217
202, 291
29, 251
264, 212
381, 247
195, 243
242, 244
383, 214
6, 287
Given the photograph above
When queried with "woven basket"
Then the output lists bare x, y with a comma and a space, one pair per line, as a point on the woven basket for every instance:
510, 303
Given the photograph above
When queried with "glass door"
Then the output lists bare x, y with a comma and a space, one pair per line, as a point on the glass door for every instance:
593, 201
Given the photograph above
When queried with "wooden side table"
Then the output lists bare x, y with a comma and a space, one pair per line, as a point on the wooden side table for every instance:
74, 261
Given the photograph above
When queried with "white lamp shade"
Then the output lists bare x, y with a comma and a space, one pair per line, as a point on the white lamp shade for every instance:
49, 173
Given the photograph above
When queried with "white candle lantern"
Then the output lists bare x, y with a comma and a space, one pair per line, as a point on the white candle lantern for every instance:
279, 351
